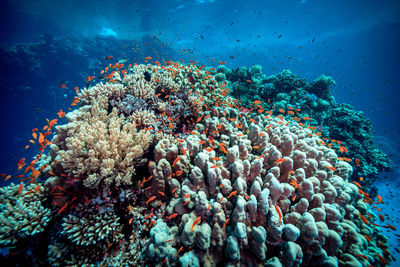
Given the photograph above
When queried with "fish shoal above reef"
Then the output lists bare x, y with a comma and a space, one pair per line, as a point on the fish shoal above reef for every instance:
160, 165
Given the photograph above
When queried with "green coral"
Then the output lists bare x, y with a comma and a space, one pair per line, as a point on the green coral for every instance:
22, 214
90, 228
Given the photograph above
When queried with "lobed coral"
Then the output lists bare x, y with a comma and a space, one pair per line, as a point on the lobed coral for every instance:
261, 186
287, 92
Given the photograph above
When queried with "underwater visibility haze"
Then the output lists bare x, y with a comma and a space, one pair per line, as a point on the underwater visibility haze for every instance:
200, 133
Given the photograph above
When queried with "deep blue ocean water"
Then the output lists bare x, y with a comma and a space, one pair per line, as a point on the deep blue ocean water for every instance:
48, 43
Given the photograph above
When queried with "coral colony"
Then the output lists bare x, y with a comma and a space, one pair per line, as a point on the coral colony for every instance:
161, 166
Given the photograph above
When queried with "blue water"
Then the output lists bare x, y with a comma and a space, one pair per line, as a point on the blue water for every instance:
355, 42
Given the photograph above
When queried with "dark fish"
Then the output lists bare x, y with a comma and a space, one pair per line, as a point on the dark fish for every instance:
313, 39
108, 57
191, 79
202, 37
147, 76
231, 56
231, 23
280, 35
238, 40
38, 109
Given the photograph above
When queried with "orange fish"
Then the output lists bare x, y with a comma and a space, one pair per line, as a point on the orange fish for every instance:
363, 256
195, 222
52, 123
61, 114
364, 219
357, 161
148, 216
295, 184
179, 250
278, 210
390, 227
233, 193
21, 185
382, 259
150, 199
89, 78
37, 188
381, 218
367, 237
215, 166
63, 208
175, 161
172, 216
279, 160
225, 223
331, 168
21, 163
357, 184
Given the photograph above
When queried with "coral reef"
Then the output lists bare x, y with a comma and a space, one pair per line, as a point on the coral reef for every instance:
291, 96
161, 166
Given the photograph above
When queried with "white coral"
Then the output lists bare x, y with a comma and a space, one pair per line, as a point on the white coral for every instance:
101, 147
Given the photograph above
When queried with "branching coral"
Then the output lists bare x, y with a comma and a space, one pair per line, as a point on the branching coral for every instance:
89, 228
100, 147
22, 214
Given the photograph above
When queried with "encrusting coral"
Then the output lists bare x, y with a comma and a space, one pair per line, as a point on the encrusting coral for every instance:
160, 166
